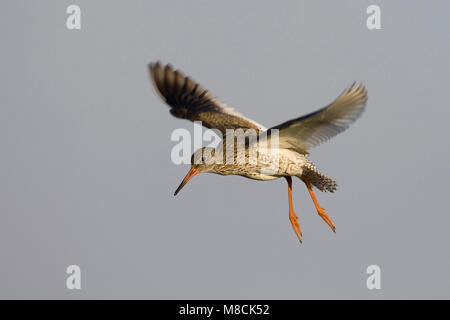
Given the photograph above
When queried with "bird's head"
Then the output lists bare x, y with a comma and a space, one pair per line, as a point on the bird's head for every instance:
202, 160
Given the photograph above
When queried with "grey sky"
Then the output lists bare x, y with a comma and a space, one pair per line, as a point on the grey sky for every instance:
86, 176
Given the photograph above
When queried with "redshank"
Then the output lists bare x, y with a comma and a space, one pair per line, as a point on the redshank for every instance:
189, 100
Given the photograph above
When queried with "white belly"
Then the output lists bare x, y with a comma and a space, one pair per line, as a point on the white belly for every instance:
286, 163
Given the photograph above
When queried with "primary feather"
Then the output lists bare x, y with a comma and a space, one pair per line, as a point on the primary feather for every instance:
189, 100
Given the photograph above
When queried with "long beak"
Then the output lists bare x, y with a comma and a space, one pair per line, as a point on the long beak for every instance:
188, 177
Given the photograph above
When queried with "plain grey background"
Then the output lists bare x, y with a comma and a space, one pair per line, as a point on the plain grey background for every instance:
86, 176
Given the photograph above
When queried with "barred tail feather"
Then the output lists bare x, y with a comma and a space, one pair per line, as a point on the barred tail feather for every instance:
318, 179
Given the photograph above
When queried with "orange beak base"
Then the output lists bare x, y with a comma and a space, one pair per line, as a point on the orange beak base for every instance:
188, 177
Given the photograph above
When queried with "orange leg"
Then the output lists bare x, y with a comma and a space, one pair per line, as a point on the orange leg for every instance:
320, 210
292, 216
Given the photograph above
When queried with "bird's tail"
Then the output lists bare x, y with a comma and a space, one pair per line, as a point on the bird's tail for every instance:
318, 179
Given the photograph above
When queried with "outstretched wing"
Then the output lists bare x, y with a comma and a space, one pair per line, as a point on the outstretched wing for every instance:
312, 129
189, 100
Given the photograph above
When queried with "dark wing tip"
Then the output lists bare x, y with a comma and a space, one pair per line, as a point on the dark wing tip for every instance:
154, 65
177, 90
157, 77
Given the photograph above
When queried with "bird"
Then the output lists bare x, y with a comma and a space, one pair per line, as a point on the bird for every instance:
285, 157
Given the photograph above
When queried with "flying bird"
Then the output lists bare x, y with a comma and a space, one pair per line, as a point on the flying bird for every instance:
286, 157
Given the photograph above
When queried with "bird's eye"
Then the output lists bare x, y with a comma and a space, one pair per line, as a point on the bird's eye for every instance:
203, 159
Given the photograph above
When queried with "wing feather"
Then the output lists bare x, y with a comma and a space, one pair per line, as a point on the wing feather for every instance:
189, 100
317, 127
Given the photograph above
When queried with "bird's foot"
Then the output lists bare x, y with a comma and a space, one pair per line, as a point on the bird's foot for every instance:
326, 218
294, 221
